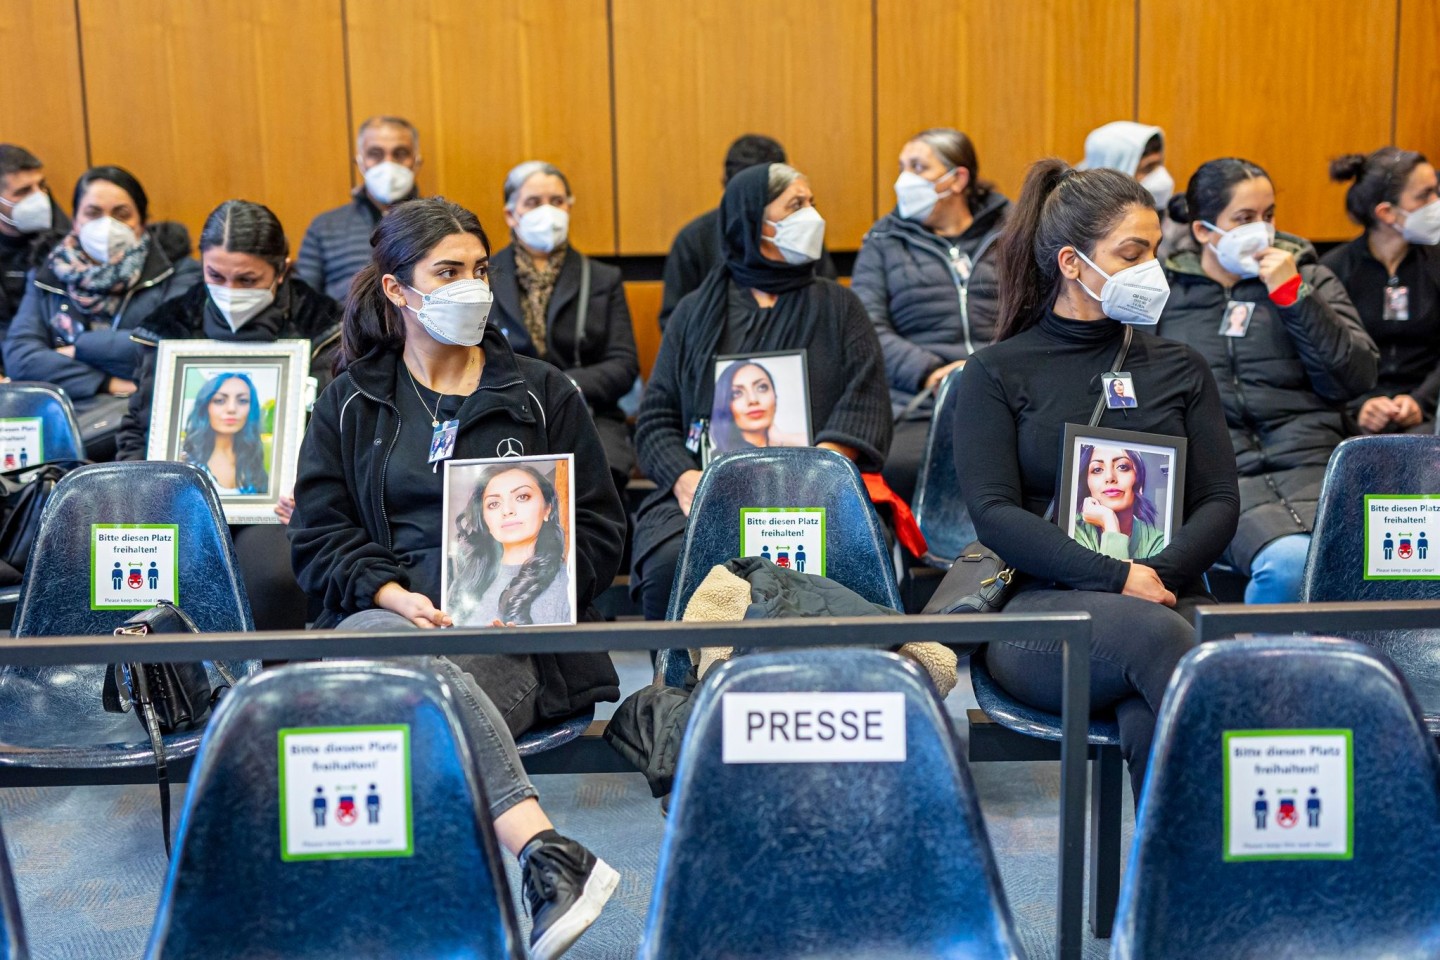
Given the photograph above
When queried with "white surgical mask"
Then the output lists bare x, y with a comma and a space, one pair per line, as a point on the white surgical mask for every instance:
456, 313
31, 214
1423, 226
1134, 295
1237, 249
389, 181
1160, 184
106, 239
545, 228
240, 305
915, 196
800, 236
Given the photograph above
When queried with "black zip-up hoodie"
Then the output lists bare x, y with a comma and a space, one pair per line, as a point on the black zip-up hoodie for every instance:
340, 536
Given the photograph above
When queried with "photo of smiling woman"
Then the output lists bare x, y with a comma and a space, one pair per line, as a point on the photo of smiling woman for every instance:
222, 435
1114, 512
507, 562
760, 402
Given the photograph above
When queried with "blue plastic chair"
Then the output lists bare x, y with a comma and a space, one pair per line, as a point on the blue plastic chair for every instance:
856, 555
790, 860
1183, 900
12, 927
53, 728
939, 506
1335, 568
59, 430
229, 895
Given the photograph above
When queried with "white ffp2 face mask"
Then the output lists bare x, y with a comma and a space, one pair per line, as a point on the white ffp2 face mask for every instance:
106, 239
1237, 250
915, 197
456, 313
800, 237
240, 305
31, 214
1161, 186
1422, 226
1134, 295
545, 228
389, 181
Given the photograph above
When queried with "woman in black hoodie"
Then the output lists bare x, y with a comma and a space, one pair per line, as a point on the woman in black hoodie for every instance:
1285, 374
416, 351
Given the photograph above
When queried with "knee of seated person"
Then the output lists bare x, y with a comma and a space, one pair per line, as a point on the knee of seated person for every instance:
1277, 571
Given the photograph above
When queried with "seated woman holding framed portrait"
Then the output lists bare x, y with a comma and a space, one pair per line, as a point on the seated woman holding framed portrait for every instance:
249, 296
1077, 274
764, 306
424, 378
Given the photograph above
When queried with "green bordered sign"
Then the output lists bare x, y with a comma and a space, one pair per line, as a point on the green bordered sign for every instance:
134, 566
1289, 795
1400, 534
792, 537
22, 442
345, 793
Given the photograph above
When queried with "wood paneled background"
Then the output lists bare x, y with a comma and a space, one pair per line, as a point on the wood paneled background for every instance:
637, 99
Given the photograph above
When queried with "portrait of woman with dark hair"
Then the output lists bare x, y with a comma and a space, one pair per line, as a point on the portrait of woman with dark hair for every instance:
747, 401
222, 435
1119, 393
1115, 513
508, 563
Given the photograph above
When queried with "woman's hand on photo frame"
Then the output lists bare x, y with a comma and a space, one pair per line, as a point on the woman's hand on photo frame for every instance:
1145, 583
415, 607
285, 509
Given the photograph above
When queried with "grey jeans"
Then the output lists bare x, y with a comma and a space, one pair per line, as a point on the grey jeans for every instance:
501, 771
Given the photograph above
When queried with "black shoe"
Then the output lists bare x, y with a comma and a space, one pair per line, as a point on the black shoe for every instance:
566, 887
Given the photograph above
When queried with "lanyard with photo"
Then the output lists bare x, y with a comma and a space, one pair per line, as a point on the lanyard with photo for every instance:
1117, 388
442, 440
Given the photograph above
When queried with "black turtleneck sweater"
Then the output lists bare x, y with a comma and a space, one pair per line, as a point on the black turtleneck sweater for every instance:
1017, 396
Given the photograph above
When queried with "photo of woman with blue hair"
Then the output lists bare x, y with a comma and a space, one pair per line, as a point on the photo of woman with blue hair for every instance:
1115, 514
222, 435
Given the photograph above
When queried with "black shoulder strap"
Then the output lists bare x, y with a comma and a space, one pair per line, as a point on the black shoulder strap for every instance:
1116, 366
583, 313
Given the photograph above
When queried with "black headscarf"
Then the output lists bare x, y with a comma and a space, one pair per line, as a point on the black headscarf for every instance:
742, 212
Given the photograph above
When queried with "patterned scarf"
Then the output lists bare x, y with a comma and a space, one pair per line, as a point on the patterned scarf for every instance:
97, 288
536, 284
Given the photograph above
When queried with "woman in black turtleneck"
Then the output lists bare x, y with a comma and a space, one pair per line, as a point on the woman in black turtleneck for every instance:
1053, 344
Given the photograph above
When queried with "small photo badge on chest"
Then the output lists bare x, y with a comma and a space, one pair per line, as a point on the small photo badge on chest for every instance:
1397, 304
1237, 318
442, 442
1119, 391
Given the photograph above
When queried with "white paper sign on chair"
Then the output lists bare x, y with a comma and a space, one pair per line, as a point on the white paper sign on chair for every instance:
791, 537
345, 792
134, 566
798, 727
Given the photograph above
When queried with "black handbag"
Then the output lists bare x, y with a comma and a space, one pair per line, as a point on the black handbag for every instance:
979, 581
24, 503
166, 697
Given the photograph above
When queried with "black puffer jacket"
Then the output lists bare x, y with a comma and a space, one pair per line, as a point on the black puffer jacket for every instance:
926, 312
1284, 385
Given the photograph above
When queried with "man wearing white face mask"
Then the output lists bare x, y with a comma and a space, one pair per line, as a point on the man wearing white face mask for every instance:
554, 303
27, 215
1392, 272
1138, 150
337, 243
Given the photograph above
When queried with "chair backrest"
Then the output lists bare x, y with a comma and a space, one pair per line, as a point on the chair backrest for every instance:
59, 431
939, 506
856, 555
254, 876
56, 597
1219, 868
837, 858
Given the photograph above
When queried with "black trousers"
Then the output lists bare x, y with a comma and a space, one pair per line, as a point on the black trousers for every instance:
656, 575
1133, 650
907, 449
276, 600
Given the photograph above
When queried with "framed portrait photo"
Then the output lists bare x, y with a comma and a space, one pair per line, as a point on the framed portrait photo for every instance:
237, 411
760, 400
509, 545
1121, 491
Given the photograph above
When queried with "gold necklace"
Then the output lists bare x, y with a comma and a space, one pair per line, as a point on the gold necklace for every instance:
434, 414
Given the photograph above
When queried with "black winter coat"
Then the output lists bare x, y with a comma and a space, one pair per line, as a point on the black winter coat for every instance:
298, 313
340, 536
1284, 385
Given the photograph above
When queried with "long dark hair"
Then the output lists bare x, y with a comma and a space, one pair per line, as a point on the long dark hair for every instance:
199, 443
724, 433
1059, 207
241, 226
1210, 189
1379, 178
1144, 508
402, 238
478, 555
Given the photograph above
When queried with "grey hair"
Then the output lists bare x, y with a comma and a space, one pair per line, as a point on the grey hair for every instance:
781, 176
387, 121
517, 176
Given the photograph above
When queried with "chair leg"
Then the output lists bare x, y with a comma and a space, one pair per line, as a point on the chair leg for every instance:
1106, 783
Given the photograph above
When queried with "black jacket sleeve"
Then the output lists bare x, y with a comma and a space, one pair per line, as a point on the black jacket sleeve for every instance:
132, 438
862, 417
1339, 356
660, 428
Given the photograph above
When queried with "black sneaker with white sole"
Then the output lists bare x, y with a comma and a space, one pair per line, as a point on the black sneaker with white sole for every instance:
566, 887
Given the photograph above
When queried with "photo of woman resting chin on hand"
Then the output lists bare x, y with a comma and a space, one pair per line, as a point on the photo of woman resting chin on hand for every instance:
1115, 515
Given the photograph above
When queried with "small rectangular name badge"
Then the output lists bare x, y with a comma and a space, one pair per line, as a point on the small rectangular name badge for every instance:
814, 727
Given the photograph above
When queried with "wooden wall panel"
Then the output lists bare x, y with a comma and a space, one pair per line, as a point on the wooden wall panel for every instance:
223, 99
1312, 81
492, 83
40, 87
692, 76
1417, 114
1023, 80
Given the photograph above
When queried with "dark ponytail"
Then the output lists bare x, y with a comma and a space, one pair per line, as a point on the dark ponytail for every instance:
1058, 207
402, 238
1209, 191
1379, 178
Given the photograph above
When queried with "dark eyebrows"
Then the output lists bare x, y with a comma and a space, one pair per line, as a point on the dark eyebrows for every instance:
447, 263
1140, 240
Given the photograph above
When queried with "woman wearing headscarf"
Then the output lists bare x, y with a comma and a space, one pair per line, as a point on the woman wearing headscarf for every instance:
764, 297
